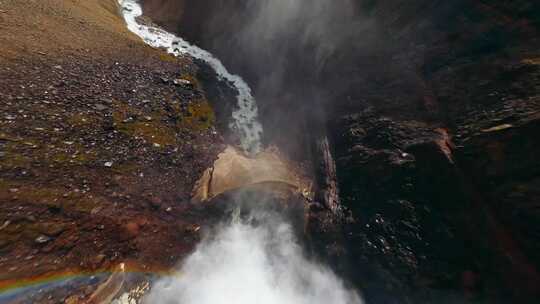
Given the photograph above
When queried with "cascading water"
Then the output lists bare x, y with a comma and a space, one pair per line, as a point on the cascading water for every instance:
250, 259
245, 116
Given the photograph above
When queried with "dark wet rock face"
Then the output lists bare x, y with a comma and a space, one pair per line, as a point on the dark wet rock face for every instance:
400, 186
428, 169
496, 154
223, 99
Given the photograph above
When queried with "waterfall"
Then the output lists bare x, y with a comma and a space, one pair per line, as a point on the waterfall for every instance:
244, 121
254, 258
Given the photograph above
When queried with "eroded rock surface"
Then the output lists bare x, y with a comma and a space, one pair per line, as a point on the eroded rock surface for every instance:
234, 170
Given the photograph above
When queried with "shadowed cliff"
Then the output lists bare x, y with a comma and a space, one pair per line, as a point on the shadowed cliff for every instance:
431, 110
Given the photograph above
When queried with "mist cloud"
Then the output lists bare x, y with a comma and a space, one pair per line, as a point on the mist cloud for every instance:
295, 54
252, 260
277, 44
319, 28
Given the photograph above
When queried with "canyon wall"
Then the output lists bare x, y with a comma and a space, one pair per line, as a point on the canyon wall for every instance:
432, 113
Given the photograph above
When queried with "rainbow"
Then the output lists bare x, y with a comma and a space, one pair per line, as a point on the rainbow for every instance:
13, 289
10, 289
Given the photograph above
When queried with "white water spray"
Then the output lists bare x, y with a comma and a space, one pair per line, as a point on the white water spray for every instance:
253, 260
245, 117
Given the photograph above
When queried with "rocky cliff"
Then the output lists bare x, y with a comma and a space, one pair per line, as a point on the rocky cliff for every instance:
100, 146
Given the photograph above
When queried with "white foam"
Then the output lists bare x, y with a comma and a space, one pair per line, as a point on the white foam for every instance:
252, 261
245, 116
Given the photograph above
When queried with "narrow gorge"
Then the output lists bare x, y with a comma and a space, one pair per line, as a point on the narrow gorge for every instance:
272, 151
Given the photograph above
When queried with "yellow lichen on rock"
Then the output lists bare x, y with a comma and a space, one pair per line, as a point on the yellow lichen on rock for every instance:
200, 116
140, 125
